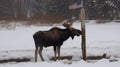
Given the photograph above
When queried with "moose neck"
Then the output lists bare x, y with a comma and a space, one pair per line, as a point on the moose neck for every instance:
66, 34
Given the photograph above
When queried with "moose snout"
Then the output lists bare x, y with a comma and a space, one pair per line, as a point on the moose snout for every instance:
79, 33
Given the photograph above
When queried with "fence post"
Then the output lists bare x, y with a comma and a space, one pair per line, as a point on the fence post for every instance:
83, 46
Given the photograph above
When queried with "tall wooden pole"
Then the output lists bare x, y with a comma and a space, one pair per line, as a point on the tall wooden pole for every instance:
82, 16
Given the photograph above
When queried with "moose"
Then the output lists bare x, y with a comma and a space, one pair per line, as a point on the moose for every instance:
54, 37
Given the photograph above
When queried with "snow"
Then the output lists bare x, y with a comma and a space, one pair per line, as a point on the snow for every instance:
100, 39
102, 62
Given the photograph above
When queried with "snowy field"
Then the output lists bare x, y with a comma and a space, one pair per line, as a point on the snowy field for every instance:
101, 38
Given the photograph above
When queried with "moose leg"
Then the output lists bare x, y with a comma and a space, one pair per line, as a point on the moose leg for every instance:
58, 52
40, 53
55, 52
36, 51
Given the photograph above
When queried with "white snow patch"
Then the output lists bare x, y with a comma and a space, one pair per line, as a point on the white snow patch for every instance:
100, 39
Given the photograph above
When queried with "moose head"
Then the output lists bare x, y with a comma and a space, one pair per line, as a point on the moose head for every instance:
73, 32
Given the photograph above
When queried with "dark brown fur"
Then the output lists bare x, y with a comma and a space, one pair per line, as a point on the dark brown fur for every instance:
53, 37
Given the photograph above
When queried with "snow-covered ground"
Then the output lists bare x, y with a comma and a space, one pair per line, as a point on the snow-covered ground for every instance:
101, 38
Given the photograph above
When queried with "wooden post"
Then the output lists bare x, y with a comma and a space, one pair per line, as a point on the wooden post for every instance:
82, 16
